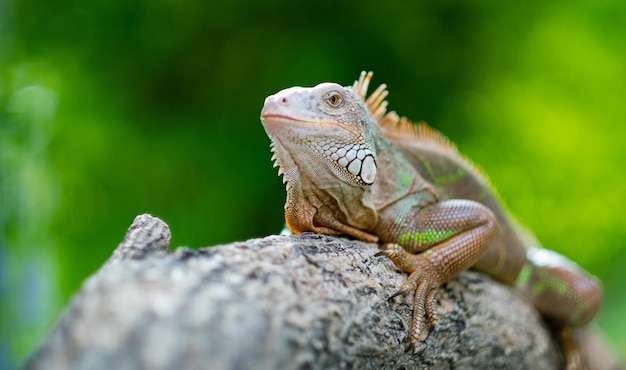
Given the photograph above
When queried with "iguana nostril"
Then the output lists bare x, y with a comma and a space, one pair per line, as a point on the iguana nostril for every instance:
284, 101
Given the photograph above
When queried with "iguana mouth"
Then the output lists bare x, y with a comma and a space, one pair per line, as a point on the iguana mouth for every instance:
281, 118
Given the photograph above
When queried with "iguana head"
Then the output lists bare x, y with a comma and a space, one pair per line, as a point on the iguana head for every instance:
323, 144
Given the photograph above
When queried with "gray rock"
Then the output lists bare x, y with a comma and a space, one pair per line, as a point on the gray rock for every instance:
281, 302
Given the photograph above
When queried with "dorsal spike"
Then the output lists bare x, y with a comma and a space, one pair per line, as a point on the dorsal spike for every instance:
377, 97
361, 85
401, 128
390, 123
375, 103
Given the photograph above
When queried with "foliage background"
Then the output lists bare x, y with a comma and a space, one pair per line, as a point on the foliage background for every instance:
109, 109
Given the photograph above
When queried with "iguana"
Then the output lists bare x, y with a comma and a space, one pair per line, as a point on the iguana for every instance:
352, 168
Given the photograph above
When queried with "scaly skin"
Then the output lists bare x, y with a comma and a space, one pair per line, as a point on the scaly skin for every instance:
353, 169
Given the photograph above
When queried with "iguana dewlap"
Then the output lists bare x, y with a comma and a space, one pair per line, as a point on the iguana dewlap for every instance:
352, 169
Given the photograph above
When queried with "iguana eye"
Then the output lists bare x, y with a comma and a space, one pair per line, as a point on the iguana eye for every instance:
334, 99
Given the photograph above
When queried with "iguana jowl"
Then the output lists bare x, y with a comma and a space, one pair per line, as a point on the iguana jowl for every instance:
352, 168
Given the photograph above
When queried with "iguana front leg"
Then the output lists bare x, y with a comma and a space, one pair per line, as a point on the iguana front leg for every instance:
452, 235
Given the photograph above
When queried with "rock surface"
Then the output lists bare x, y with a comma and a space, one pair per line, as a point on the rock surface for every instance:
281, 302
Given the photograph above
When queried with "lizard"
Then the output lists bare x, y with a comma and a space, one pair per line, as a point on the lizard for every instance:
352, 168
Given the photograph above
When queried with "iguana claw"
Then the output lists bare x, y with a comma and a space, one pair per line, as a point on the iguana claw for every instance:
409, 347
422, 281
387, 250
399, 292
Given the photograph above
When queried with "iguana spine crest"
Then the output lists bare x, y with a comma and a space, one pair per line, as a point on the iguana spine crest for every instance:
400, 128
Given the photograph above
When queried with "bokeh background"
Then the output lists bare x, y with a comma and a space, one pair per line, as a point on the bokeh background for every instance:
110, 109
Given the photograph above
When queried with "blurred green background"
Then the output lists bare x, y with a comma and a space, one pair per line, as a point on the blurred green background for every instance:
110, 109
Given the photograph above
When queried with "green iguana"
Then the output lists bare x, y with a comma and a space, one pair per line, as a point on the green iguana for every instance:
353, 169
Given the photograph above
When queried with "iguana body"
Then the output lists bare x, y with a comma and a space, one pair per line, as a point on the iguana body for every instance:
353, 169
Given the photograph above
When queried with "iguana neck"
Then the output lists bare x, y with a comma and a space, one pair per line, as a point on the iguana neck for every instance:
318, 202
397, 177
